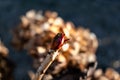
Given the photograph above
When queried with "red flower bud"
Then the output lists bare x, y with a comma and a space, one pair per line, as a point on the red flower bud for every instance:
58, 41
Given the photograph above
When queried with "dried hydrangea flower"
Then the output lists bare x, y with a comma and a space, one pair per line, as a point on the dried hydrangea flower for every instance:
35, 34
6, 65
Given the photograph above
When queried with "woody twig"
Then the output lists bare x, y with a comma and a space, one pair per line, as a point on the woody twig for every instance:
57, 43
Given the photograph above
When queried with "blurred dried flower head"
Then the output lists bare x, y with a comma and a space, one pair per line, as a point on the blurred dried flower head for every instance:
6, 65
35, 34
3, 49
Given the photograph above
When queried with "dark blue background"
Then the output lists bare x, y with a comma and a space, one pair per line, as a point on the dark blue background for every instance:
101, 16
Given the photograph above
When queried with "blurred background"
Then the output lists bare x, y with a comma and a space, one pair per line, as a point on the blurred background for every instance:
102, 17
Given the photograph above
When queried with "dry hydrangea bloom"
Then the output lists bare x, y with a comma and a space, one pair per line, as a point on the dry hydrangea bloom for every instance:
6, 65
35, 33
3, 49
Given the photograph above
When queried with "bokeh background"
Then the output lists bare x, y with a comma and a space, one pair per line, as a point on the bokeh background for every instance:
100, 16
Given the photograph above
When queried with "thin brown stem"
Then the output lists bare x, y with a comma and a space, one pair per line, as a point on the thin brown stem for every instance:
45, 65
57, 43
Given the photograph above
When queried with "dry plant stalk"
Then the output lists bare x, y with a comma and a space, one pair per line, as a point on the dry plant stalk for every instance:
57, 43
44, 66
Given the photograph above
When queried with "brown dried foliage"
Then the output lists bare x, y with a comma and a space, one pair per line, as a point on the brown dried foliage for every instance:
35, 34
